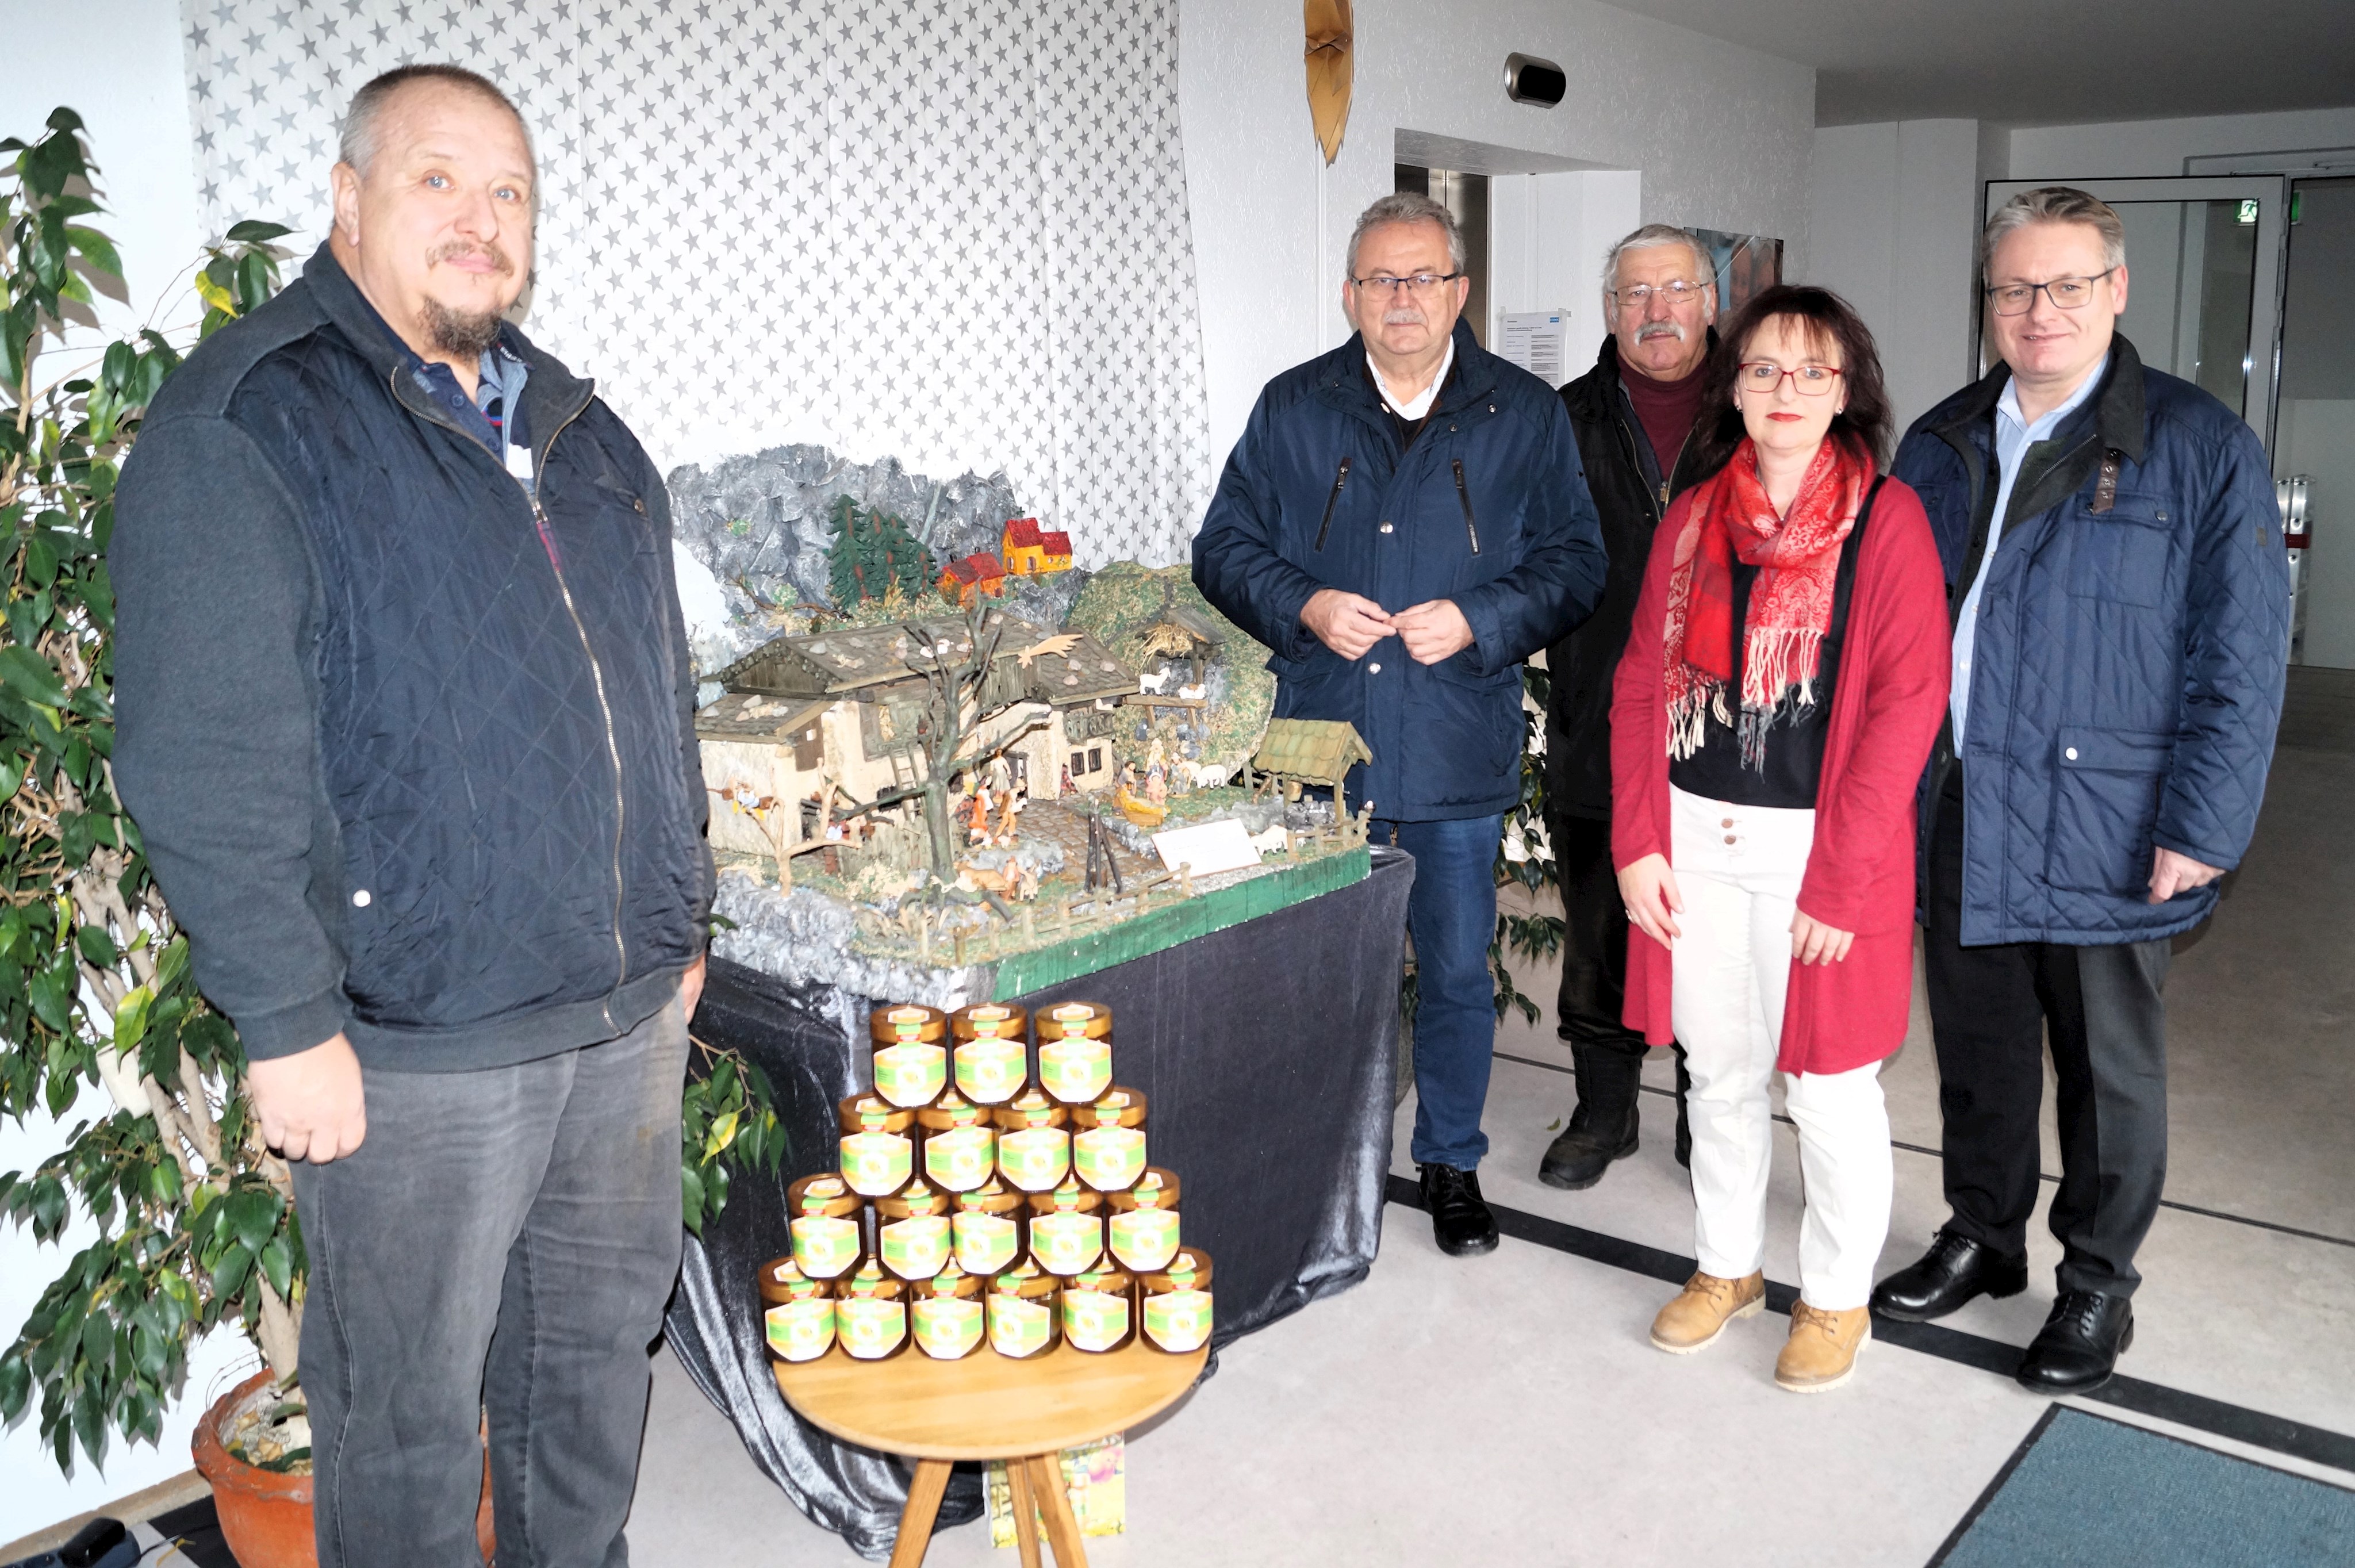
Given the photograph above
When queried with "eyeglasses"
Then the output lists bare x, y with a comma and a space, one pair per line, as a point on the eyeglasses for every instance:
2066, 293
1766, 376
1421, 283
1676, 291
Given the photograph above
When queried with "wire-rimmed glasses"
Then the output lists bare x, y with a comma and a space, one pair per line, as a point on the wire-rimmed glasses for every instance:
1678, 292
1421, 283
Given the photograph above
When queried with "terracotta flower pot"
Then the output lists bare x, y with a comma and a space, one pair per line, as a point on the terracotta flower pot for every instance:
265, 1516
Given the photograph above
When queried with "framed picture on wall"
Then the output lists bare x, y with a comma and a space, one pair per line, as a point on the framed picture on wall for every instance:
1746, 264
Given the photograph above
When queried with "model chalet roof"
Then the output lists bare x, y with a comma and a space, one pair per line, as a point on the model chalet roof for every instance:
862, 661
1024, 533
1317, 750
1193, 622
979, 567
748, 715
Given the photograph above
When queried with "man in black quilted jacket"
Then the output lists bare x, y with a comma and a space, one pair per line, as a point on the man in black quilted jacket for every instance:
405, 717
2121, 605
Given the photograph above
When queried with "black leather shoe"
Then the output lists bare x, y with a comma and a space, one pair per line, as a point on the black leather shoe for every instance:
1951, 1273
2080, 1344
1460, 1220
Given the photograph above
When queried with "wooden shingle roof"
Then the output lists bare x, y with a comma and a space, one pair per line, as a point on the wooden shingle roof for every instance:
858, 661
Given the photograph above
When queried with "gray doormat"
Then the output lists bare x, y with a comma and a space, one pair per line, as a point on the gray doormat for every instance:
2084, 1491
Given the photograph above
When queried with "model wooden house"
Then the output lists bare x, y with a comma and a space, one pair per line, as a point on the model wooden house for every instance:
840, 708
978, 575
1033, 551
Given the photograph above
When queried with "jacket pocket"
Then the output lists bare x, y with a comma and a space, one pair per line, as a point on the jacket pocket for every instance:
1472, 726
2122, 554
2106, 786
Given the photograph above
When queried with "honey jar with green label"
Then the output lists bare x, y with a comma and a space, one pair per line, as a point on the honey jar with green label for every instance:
826, 1239
1034, 1152
1109, 1160
1066, 1231
1063, 1020
906, 1023
1022, 1311
1144, 1228
870, 1314
1099, 1311
986, 1230
1117, 1107
874, 1161
1075, 1070
910, 1073
1177, 1303
946, 1315
912, 1231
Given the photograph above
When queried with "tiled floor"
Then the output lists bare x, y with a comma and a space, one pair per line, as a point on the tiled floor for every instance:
1508, 1408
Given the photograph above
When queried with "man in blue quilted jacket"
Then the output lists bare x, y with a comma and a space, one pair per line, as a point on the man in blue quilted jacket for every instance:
405, 716
2121, 604
1403, 522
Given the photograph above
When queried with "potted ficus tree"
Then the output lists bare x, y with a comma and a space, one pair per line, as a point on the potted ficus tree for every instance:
195, 1218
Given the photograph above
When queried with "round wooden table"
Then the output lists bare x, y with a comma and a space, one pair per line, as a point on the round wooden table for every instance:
987, 1406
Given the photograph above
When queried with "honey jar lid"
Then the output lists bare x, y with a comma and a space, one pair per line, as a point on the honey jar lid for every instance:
907, 1022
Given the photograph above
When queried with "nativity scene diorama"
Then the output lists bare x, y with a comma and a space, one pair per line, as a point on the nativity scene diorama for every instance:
964, 769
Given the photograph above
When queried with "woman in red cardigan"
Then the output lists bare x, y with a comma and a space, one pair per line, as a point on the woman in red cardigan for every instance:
1785, 676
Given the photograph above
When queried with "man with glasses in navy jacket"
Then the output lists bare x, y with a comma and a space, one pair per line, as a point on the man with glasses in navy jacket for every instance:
1402, 523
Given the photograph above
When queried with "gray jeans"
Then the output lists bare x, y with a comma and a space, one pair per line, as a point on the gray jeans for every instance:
506, 1238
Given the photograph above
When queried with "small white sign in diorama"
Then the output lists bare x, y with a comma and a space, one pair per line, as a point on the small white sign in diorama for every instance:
1212, 847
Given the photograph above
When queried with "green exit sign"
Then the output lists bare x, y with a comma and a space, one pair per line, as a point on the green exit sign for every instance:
2249, 210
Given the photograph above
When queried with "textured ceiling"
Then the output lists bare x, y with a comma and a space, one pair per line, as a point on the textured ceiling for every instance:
2050, 63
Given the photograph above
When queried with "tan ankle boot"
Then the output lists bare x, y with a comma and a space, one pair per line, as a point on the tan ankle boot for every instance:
1822, 1350
1699, 1313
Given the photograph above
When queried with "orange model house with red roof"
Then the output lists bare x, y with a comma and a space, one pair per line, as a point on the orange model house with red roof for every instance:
976, 575
1032, 551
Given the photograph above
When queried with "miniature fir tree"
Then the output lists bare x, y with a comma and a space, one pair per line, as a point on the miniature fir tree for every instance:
872, 553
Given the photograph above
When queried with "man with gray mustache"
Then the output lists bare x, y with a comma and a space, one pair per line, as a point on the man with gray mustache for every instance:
1635, 413
405, 715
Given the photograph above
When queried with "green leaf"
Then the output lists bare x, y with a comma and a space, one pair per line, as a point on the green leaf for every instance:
130, 1018
230, 1272
16, 1388
253, 1216
27, 672
278, 1266
690, 1182
252, 232
97, 249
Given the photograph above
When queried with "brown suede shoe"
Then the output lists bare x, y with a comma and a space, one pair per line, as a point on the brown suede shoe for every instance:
1698, 1316
1822, 1350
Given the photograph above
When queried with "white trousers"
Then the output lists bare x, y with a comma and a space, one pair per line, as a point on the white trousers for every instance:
1739, 869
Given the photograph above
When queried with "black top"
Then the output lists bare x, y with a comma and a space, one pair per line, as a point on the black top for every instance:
1793, 765
1793, 760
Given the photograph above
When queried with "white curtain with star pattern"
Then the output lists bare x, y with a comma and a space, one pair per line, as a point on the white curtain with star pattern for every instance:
949, 231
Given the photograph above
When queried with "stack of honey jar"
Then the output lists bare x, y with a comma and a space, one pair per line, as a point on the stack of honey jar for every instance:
987, 1194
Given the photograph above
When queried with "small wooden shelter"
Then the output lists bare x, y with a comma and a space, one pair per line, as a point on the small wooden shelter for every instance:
1296, 751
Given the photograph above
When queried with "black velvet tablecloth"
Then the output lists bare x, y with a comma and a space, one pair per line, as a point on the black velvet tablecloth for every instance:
1266, 1052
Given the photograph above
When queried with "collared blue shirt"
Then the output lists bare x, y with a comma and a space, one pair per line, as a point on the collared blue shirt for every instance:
2013, 436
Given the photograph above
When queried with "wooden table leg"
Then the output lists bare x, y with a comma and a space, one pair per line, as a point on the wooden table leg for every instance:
923, 1507
1026, 1516
1062, 1529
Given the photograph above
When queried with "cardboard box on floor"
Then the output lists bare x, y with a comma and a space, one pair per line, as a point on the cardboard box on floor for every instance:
1095, 1476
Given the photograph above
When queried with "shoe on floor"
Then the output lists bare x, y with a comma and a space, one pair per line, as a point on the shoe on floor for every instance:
1702, 1309
1602, 1127
1823, 1347
1951, 1273
2080, 1344
1460, 1220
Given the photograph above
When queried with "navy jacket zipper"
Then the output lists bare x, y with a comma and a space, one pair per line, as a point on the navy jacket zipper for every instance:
1339, 479
1464, 496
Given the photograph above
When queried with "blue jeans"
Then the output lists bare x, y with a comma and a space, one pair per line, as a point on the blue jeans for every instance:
504, 1237
1452, 915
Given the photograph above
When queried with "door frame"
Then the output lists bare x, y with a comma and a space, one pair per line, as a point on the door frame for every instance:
2271, 193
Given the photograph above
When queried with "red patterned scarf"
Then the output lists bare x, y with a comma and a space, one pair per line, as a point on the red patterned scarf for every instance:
1790, 604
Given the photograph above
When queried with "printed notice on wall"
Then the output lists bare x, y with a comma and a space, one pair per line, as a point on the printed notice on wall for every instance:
1537, 341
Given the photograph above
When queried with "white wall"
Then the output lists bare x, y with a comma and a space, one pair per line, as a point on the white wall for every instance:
2316, 436
1721, 134
2132, 148
1892, 218
118, 65
1547, 235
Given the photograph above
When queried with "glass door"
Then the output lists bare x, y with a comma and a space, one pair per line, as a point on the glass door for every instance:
2204, 279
